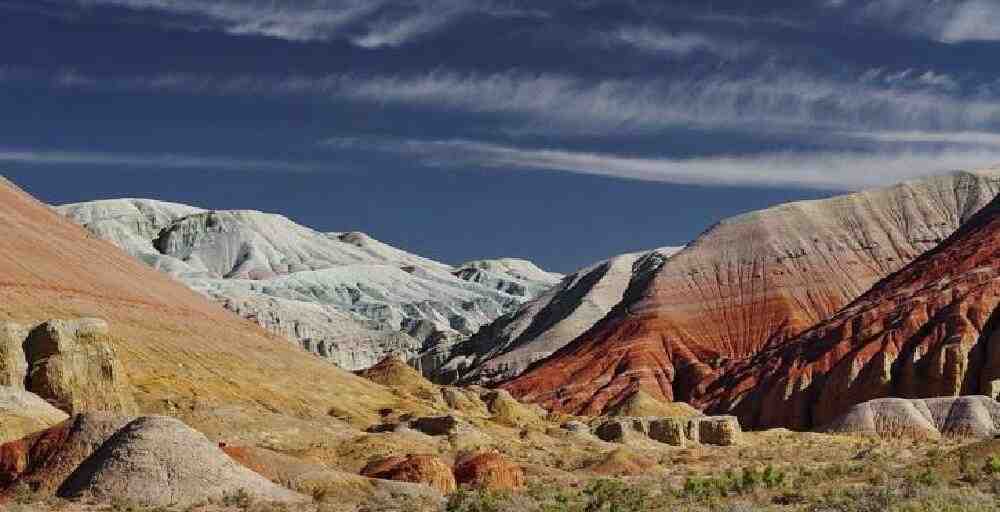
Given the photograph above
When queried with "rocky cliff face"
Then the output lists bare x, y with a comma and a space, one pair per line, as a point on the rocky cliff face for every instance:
750, 284
503, 349
344, 296
927, 330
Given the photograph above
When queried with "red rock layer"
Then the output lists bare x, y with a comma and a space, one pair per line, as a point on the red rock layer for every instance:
746, 285
489, 470
928, 330
418, 469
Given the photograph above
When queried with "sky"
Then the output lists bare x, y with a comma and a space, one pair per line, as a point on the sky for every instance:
562, 132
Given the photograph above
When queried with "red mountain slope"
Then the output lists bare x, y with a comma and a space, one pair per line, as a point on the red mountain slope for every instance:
928, 330
750, 283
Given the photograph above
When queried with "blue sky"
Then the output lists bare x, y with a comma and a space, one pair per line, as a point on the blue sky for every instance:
562, 132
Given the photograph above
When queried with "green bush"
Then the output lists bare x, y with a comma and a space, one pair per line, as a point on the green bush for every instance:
477, 501
606, 495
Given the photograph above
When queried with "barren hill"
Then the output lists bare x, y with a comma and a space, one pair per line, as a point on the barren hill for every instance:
749, 283
344, 296
927, 330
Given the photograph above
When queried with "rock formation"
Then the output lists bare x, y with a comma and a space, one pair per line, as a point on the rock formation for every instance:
13, 366
889, 418
44, 460
22, 413
749, 284
344, 296
505, 348
420, 469
928, 330
159, 461
182, 352
490, 471
713, 430
325, 484
74, 365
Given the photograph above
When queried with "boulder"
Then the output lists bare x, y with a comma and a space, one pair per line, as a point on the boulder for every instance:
22, 413
719, 430
490, 471
670, 431
436, 425
73, 365
13, 366
420, 469
159, 461
621, 430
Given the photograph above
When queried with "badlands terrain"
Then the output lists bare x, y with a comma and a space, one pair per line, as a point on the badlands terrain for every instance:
834, 355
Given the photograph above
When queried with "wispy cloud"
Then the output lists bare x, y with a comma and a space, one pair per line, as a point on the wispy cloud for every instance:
826, 170
949, 21
161, 161
680, 44
566, 104
366, 23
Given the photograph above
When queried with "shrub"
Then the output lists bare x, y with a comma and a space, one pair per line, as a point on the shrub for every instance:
477, 501
615, 496
992, 465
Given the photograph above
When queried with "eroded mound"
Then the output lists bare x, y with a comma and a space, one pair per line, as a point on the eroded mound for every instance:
44, 460
160, 461
419, 469
965, 416
488, 470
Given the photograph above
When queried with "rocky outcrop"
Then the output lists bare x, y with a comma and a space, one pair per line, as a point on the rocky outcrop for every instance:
505, 348
713, 430
490, 471
13, 366
520, 278
73, 365
343, 296
891, 418
928, 330
22, 413
44, 460
750, 284
420, 469
159, 461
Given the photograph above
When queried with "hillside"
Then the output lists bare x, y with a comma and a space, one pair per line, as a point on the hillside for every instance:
344, 296
927, 330
183, 353
750, 283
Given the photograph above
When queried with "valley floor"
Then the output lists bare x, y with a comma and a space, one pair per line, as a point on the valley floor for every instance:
770, 471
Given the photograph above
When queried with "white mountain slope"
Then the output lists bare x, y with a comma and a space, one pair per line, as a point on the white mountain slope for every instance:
506, 347
344, 296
